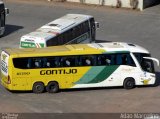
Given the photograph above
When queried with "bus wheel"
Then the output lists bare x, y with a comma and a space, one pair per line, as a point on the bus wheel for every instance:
52, 87
129, 83
38, 87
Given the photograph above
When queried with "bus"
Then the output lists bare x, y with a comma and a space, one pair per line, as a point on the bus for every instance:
77, 66
3, 13
69, 29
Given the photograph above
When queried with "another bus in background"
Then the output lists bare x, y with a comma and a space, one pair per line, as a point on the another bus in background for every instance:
3, 13
69, 29
77, 66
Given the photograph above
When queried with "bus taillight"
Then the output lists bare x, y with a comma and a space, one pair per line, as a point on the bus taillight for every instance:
9, 80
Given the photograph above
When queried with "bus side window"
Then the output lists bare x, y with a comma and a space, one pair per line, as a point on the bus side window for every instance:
86, 26
20, 63
65, 37
108, 60
100, 60
121, 59
52, 62
48, 64
77, 31
62, 61
124, 59
29, 64
69, 61
88, 60
45, 63
104, 60
71, 34
60, 39
118, 59
113, 59
37, 63
69, 37
52, 42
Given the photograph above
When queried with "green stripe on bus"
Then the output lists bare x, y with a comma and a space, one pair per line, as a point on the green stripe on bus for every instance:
103, 75
28, 45
42, 45
90, 75
97, 74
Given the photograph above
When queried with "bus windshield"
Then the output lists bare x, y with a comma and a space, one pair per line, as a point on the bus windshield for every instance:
146, 64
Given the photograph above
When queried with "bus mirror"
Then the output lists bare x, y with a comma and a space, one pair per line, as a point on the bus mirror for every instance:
154, 59
6, 11
97, 25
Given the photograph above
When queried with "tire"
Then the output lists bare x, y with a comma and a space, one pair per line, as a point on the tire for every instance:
38, 87
52, 87
129, 83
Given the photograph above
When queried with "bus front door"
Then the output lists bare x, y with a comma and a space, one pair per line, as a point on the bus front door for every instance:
2, 22
93, 29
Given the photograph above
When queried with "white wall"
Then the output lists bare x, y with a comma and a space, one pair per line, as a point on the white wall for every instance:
113, 3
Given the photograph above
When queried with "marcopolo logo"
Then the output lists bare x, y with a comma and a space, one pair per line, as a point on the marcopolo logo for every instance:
4, 57
59, 71
4, 63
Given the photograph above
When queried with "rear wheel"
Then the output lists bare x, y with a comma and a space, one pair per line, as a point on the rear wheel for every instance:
38, 87
52, 87
129, 83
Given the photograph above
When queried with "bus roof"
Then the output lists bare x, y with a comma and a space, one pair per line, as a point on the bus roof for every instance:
58, 26
77, 49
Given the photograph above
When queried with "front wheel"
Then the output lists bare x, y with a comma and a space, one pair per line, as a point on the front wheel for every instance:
52, 87
129, 83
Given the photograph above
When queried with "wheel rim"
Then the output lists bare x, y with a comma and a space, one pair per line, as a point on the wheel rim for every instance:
38, 88
130, 84
52, 87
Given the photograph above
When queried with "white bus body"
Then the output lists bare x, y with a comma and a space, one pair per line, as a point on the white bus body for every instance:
69, 29
77, 66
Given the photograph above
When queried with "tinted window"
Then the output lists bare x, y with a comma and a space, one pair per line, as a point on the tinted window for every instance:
147, 65
74, 61
69, 61
140, 56
52, 42
124, 59
104, 60
21, 63
87, 60
115, 59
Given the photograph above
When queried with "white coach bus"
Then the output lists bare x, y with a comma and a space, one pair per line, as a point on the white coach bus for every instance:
3, 13
69, 29
77, 66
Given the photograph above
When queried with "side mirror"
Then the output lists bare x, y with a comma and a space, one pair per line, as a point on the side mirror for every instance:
97, 25
6, 11
153, 59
